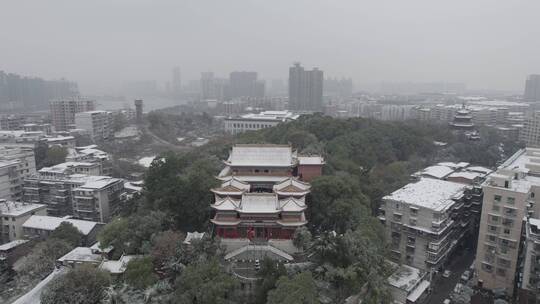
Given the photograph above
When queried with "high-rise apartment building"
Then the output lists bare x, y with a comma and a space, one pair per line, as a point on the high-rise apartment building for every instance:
530, 133
63, 111
16, 163
532, 88
305, 89
426, 220
139, 110
245, 84
88, 197
176, 85
510, 196
98, 124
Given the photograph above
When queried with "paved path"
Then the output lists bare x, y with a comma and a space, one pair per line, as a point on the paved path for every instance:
442, 287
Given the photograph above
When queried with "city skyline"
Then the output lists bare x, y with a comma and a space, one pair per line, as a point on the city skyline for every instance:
371, 42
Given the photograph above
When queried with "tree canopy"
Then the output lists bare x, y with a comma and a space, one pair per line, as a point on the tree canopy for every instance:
82, 285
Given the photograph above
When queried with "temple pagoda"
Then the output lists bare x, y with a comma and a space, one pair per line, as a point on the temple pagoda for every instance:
263, 191
462, 120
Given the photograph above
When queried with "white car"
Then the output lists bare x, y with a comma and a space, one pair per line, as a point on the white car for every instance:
446, 273
466, 276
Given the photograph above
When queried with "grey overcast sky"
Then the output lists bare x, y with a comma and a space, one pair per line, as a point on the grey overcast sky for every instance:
103, 43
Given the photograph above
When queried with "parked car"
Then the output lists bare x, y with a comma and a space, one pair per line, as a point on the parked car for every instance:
446, 273
466, 276
447, 301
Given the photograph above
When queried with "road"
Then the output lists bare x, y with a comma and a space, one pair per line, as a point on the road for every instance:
443, 286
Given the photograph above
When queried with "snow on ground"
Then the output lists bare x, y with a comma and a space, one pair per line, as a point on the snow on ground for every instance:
32, 297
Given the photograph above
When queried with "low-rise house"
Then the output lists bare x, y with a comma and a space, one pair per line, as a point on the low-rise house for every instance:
80, 256
41, 226
408, 285
12, 251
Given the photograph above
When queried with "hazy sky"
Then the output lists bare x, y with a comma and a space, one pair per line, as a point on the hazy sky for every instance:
102, 43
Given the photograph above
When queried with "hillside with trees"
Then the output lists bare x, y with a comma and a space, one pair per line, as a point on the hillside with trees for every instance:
344, 242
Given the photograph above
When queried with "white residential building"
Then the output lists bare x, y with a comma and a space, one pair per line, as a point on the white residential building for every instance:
12, 217
530, 133
95, 198
425, 220
510, 194
16, 163
251, 122
99, 124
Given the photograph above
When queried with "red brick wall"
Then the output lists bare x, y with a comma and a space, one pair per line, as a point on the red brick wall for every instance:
309, 172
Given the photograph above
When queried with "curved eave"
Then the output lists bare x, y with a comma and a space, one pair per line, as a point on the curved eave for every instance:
217, 207
292, 224
225, 193
224, 223
300, 209
304, 193
262, 212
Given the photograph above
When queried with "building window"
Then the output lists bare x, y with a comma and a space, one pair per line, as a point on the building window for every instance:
510, 200
496, 208
492, 228
414, 211
412, 222
510, 212
397, 217
397, 206
493, 218
503, 262
508, 222
492, 238
506, 231
501, 272
487, 267
497, 198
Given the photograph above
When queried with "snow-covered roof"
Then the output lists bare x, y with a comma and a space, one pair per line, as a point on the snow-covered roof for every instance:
193, 236
61, 168
479, 169
292, 205
310, 160
453, 165
132, 187
437, 171
466, 175
258, 178
97, 182
232, 186
405, 278
428, 193
259, 203
146, 161
81, 254
12, 244
50, 223
291, 186
226, 204
10, 208
418, 291
59, 138
118, 266
261, 156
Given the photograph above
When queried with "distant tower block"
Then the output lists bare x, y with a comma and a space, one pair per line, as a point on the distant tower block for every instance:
139, 110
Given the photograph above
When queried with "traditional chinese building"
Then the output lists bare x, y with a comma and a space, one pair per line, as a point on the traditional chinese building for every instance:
263, 194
